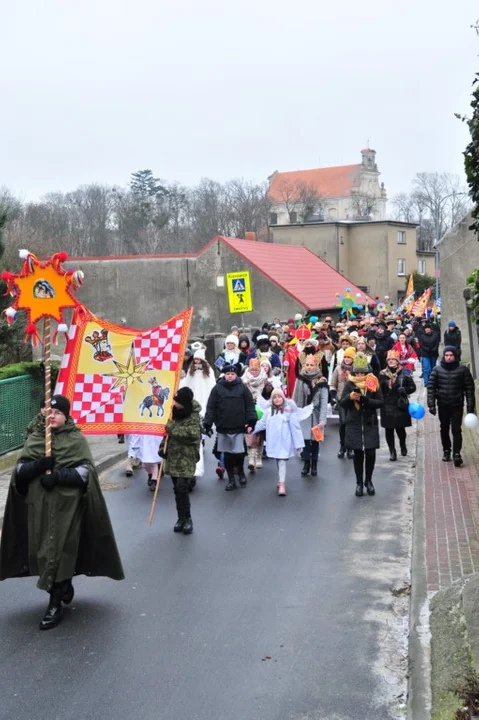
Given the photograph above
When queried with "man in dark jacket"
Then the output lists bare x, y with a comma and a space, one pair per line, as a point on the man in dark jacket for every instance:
429, 341
231, 408
384, 342
449, 383
452, 336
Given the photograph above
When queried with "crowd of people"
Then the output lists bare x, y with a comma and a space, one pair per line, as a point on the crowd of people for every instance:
268, 395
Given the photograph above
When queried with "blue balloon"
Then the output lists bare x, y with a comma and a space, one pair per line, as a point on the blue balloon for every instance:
416, 410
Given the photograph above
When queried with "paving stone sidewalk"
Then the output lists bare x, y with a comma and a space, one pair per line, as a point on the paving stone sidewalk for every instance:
105, 450
451, 508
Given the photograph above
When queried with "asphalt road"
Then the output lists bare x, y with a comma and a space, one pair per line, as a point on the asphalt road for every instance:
274, 609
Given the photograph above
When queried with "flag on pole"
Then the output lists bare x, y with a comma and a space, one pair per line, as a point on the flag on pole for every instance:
410, 286
420, 306
121, 380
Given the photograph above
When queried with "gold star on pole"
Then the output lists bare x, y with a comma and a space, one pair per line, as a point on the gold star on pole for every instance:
129, 373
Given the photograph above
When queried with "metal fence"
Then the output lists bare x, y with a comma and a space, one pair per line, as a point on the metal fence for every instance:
20, 401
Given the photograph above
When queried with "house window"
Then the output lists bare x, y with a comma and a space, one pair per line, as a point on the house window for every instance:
401, 237
273, 219
422, 267
293, 217
401, 266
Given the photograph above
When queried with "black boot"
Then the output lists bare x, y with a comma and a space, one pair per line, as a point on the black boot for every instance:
54, 612
68, 592
369, 486
242, 478
403, 450
306, 468
457, 459
314, 467
447, 456
188, 526
192, 484
393, 455
342, 452
181, 514
359, 488
231, 484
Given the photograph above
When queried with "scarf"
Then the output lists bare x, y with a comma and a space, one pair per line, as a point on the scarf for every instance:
391, 374
363, 383
312, 380
254, 384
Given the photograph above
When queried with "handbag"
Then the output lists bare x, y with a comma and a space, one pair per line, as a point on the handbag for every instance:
403, 400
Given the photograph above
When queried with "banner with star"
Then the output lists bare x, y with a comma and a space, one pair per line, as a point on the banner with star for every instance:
121, 380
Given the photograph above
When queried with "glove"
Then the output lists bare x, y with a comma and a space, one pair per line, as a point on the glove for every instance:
432, 410
65, 477
162, 453
34, 468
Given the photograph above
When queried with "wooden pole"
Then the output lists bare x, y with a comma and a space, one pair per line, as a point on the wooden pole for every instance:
160, 473
48, 385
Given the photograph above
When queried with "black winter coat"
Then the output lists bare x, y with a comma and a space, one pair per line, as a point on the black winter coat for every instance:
453, 337
392, 416
429, 344
230, 407
449, 384
362, 427
383, 344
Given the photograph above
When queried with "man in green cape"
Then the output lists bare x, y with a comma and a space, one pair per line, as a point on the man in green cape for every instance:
56, 523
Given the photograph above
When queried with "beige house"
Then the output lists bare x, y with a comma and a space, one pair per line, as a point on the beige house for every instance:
377, 256
426, 262
345, 192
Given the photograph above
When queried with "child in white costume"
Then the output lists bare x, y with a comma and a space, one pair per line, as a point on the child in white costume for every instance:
144, 449
281, 420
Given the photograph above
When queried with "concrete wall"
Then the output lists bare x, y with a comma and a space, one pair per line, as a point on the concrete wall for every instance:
458, 256
143, 292
366, 253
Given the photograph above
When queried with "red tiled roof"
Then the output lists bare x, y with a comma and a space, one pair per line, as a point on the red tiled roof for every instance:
330, 182
310, 281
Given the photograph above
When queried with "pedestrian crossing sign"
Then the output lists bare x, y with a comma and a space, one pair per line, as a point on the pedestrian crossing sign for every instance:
239, 292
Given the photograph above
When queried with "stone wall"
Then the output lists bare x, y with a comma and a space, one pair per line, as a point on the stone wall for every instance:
458, 256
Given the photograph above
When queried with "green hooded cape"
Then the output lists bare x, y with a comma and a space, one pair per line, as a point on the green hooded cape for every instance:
62, 532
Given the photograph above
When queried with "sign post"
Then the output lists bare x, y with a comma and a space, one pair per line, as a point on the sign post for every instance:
239, 292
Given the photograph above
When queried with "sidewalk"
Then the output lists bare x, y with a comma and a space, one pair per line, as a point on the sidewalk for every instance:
451, 509
105, 449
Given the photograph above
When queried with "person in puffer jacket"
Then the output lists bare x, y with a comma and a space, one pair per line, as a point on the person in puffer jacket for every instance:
450, 383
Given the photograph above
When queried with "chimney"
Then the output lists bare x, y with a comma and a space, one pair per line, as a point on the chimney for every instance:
250, 236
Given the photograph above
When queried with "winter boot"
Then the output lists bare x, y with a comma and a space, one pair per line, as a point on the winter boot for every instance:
447, 456
369, 486
259, 457
231, 484
457, 460
403, 450
54, 611
129, 467
68, 592
192, 484
188, 526
359, 488
342, 452
393, 455
181, 514
306, 468
282, 489
252, 460
314, 467
242, 478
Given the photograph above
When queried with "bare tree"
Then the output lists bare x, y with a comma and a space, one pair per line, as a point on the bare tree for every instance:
364, 204
301, 200
248, 206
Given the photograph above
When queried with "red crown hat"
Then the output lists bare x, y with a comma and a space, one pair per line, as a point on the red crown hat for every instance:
303, 333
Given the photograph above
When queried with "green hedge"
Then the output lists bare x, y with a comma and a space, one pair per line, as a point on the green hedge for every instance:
35, 369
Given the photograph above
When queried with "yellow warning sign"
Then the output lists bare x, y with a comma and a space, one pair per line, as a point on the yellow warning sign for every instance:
239, 292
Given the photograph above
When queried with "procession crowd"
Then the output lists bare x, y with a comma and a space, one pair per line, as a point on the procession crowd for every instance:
269, 395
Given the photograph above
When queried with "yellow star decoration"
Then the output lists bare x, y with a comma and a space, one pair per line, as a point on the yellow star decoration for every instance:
129, 373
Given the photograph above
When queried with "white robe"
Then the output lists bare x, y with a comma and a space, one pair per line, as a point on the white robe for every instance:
200, 385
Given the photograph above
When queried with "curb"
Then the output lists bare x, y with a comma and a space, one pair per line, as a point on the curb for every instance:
419, 675
100, 467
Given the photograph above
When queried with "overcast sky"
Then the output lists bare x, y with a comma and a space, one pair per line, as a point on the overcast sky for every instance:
94, 90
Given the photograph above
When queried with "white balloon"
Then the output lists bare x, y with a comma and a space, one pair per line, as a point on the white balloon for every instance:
471, 421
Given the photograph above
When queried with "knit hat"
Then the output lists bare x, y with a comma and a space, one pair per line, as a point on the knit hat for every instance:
254, 364
232, 339
361, 363
350, 352
199, 355
233, 367
393, 355
197, 346
273, 337
184, 397
278, 391
451, 349
451, 323
62, 403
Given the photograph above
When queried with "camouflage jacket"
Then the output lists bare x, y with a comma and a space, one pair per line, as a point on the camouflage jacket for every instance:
183, 450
